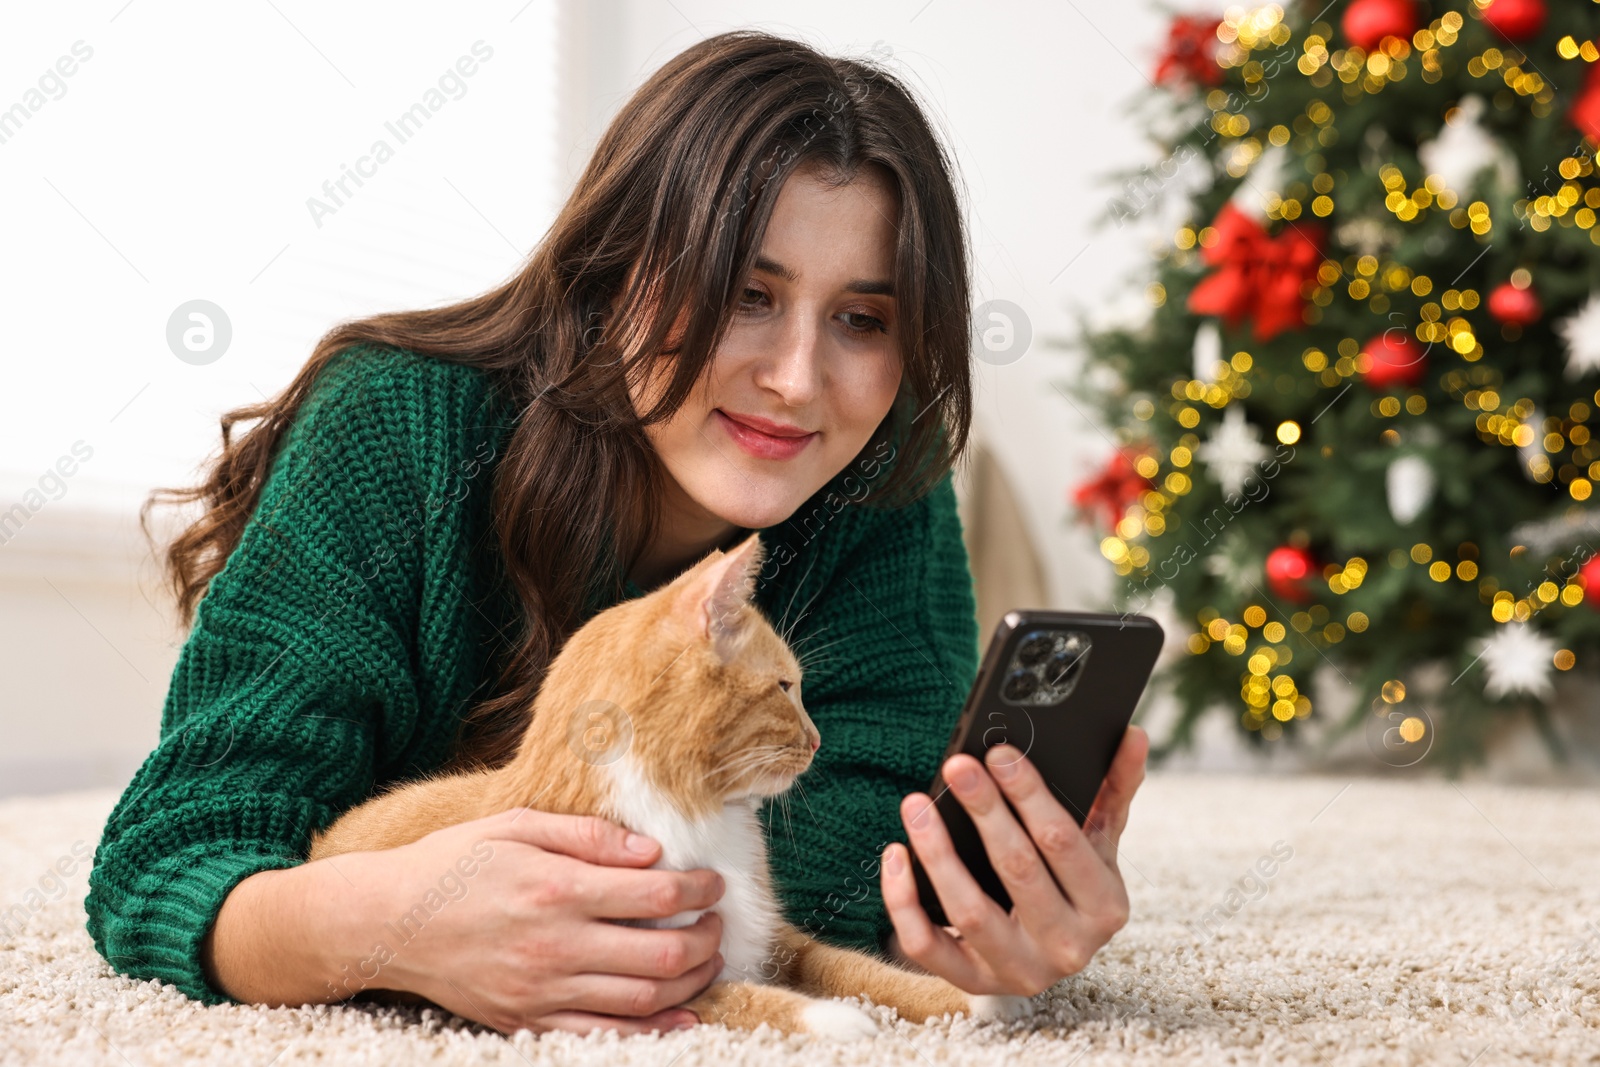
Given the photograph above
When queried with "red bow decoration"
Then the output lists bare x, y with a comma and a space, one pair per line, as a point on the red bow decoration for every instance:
1257, 275
1191, 51
1117, 486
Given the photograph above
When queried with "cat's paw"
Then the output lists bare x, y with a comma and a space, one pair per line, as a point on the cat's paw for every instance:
836, 1019
999, 1007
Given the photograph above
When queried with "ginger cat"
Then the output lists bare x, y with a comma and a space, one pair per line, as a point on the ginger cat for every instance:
675, 714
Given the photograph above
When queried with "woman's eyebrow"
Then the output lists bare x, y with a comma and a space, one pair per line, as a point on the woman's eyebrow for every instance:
865, 287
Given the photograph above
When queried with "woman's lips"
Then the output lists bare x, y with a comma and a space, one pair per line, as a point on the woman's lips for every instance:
762, 445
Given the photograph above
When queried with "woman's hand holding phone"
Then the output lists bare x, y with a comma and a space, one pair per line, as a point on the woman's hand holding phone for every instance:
1048, 934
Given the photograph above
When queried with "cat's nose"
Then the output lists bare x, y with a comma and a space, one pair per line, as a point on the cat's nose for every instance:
809, 729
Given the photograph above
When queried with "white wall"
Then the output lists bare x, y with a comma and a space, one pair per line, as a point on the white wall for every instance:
176, 161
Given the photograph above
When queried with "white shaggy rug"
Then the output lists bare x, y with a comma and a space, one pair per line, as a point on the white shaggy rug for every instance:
1413, 921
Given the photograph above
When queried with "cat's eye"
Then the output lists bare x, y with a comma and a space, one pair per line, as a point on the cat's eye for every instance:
784, 684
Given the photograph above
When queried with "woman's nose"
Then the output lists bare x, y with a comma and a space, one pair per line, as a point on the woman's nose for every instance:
794, 368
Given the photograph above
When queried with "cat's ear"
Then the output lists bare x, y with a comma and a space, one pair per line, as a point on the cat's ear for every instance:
721, 591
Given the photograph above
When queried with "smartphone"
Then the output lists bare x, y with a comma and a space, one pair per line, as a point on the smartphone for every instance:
1061, 687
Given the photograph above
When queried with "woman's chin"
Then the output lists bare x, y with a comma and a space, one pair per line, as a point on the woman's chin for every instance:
762, 508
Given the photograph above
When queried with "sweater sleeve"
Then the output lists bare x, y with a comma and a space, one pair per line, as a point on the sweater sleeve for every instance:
894, 637
296, 684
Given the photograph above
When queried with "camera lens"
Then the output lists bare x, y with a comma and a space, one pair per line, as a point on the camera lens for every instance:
1062, 666
1020, 685
1034, 648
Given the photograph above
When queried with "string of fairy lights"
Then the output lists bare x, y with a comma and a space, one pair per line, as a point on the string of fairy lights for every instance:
1558, 447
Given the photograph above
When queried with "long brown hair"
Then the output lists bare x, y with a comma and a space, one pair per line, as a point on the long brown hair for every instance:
680, 187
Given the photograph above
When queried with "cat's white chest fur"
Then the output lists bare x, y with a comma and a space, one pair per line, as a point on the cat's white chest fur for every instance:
729, 842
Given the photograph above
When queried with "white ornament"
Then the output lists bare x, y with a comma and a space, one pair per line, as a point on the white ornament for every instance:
1233, 450
1581, 331
1235, 566
1567, 533
1207, 351
1517, 659
1464, 148
1409, 482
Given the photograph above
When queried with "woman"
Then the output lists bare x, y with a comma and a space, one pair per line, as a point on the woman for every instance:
751, 314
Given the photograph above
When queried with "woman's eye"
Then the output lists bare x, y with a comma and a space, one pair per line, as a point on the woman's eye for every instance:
873, 324
862, 326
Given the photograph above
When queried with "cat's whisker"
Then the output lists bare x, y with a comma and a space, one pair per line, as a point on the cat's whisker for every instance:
787, 821
806, 800
807, 659
734, 771
748, 762
782, 800
809, 665
799, 646
794, 593
805, 609
753, 752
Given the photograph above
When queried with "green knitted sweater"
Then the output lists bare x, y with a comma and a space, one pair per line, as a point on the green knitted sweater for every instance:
363, 611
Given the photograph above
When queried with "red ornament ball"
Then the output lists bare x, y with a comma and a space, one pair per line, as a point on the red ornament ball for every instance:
1513, 306
1290, 572
1589, 574
1394, 361
1516, 20
1368, 22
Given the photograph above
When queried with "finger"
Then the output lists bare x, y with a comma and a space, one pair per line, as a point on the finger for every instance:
988, 930
623, 893
928, 944
1039, 903
621, 994
1082, 872
645, 952
584, 1022
586, 837
1108, 815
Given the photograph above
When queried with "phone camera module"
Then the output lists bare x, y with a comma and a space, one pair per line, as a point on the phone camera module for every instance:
1045, 667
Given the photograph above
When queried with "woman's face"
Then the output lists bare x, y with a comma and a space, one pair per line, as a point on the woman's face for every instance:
813, 347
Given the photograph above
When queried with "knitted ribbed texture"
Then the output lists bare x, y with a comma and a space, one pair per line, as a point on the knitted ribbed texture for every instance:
365, 607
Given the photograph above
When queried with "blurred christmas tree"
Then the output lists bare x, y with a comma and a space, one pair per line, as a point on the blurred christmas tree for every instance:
1356, 459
